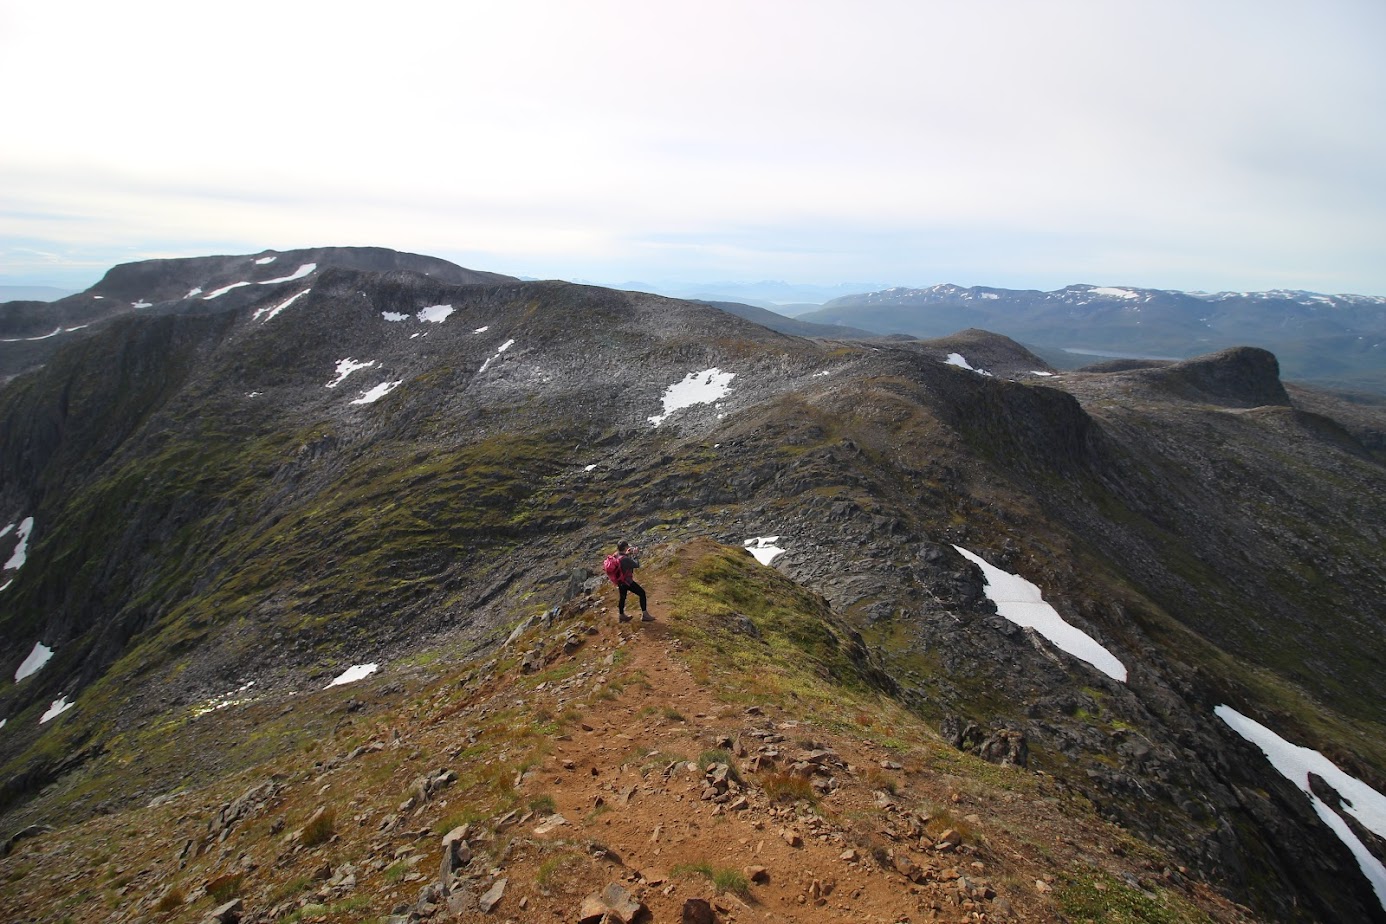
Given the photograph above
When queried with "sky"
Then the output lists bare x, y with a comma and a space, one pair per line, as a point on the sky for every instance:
1174, 144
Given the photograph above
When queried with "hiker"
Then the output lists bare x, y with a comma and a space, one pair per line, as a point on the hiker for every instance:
620, 569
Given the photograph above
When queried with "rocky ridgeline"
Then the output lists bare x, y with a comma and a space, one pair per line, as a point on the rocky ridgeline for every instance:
778, 815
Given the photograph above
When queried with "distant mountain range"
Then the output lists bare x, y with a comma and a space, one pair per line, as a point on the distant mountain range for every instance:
1330, 340
32, 293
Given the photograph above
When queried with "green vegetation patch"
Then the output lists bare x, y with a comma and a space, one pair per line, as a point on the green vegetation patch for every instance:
1100, 899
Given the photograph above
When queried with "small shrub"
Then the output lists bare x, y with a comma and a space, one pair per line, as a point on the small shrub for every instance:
320, 828
724, 878
878, 780
729, 880
786, 787
543, 804
171, 900
225, 888
673, 715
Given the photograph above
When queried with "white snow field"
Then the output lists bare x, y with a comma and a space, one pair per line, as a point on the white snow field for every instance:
706, 387
21, 551
375, 394
263, 260
765, 548
499, 350
346, 367
59, 706
299, 273
394, 316
957, 359
218, 293
1295, 763
269, 313
37, 658
1022, 603
352, 674
435, 313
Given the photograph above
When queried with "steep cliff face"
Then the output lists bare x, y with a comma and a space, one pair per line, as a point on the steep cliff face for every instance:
366, 465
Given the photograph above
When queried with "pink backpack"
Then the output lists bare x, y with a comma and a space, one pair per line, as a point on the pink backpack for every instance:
612, 567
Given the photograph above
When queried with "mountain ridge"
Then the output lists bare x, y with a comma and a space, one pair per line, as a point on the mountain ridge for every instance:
225, 497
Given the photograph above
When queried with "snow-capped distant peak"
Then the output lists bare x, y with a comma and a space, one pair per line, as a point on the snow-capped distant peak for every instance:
1113, 292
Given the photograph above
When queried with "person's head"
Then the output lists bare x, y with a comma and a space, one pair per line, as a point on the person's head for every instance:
622, 545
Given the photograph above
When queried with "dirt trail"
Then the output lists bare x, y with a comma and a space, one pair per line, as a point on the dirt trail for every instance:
626, 777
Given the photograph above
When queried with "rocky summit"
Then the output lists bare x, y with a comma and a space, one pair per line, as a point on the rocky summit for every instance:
302, 614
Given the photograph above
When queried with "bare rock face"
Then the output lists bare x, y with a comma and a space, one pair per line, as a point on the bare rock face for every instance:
1239, 377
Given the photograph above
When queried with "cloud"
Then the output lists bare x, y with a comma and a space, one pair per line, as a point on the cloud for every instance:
1165, 140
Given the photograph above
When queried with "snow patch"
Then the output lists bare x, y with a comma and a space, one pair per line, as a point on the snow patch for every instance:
957, 359
706, 387
394, 316
141, 304
194, 292
352, 674
482, 330
1022, 603
234, 698
218, 293
764, 548
499, 350
346, 367
21, 551
1038, 372
271, 312
37, 658
1295, 763
590, 467
60, 705
2, 722
56, 332
1111, 292
435, 313
299, 273
263, 260
378, 392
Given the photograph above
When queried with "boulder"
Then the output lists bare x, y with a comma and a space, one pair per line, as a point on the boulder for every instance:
613, 904
491, 898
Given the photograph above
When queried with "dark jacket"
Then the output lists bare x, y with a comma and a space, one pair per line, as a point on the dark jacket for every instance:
628, 565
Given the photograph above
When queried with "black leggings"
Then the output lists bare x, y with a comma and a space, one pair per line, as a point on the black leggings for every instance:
630, 587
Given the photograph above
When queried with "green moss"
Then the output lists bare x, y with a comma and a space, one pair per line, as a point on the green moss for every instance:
1100, 899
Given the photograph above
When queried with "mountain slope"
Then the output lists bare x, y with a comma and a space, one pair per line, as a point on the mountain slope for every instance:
390, 466
30, 331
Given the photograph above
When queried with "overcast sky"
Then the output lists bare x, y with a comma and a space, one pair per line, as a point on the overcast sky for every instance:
1191, 145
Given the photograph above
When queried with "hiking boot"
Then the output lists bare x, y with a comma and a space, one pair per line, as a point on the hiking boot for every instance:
622, 617
646, 617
